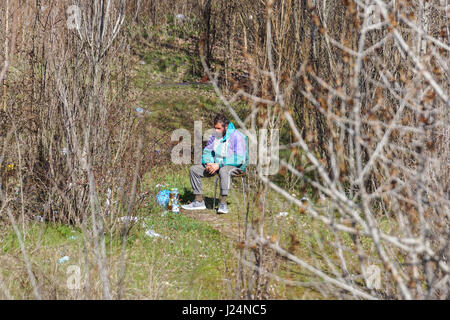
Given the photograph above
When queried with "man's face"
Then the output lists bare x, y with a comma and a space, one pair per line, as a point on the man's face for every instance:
220, 129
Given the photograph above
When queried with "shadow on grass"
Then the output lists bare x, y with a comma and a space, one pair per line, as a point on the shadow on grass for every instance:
209, 203
187, 196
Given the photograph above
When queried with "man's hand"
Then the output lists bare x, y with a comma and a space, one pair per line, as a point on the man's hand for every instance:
212, 167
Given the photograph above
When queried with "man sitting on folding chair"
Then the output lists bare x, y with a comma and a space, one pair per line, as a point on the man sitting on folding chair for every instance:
226, 154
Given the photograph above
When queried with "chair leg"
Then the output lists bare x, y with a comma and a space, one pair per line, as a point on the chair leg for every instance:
243, 190
215, 191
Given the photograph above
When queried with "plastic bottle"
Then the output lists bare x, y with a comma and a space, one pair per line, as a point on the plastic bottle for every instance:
175, 195
170, 204
175, 205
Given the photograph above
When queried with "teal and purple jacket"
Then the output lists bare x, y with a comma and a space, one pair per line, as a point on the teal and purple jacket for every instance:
231, 150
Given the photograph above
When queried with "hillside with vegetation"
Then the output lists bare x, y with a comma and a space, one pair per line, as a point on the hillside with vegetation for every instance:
94, 93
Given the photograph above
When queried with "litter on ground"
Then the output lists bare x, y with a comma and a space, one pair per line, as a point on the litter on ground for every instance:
64, 259
151, 233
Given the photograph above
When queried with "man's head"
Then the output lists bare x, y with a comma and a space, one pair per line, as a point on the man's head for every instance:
221, 125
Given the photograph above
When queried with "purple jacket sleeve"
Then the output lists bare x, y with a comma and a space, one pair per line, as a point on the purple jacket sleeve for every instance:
207, 155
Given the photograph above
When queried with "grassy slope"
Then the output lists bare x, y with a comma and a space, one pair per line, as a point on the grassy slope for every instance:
178, 107
197, 261
193, 263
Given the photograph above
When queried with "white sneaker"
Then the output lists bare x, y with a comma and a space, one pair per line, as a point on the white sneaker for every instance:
194, 206
223, 208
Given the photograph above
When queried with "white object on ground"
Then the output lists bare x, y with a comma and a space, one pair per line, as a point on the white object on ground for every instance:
283, 214
181, 17
142, 111
64, 259
151, 233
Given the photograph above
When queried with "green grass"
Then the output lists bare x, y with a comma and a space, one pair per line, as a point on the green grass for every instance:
190, 260
190, 263
168, 65
195, 261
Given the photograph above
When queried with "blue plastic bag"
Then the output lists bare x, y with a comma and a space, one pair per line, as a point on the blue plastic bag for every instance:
163, 198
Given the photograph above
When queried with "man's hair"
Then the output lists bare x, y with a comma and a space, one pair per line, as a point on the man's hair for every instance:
222, 119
